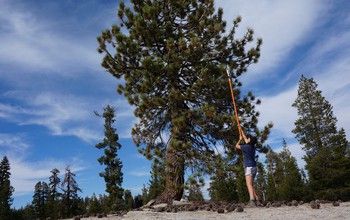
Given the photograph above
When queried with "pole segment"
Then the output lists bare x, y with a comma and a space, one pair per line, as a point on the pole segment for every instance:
233, 101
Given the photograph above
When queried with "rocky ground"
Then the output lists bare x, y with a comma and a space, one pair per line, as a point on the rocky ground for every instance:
205, 211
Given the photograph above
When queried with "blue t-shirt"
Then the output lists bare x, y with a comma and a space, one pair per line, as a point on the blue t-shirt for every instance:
248, 155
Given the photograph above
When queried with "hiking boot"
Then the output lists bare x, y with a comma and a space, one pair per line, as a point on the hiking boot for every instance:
251, 204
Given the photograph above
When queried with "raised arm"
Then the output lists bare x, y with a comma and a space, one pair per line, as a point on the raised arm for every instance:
239, 142
244, 137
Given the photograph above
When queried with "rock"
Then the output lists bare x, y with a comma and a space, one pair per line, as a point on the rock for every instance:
181, 203
221, 210
191, 208
160, 209
301, 203
276, 204
335, 203
294, 203
231, 208
260, 204
268, 205
150, 203
239, 209
161, 205
314, 205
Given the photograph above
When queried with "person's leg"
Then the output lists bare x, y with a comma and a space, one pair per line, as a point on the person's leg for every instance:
256, 197
251, 190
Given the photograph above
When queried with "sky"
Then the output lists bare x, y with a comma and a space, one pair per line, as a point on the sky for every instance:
51, 82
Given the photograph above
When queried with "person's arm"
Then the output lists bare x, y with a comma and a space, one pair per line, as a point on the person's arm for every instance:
245, 137
238, 146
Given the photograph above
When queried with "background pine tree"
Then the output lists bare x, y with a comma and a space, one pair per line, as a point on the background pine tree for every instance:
6, 189
129, 200
54, 194
70, 198
40, 200
261, 181
275, 175
327, 149
223, 185
292, 186
172, 56
157, 179
113, 174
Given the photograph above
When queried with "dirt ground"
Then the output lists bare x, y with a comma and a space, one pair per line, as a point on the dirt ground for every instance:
304, 212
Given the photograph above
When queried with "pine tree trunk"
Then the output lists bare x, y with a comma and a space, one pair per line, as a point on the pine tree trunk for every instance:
174, 180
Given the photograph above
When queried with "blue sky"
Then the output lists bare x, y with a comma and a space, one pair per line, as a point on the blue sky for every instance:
51, 82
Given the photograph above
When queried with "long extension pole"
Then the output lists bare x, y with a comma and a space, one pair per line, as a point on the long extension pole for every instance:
233, 101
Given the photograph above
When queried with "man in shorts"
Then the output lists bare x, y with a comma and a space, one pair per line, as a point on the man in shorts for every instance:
250, 168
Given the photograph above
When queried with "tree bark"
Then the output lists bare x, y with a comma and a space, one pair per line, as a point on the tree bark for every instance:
174, 180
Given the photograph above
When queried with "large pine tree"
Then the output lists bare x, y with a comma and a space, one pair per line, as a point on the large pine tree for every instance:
172, 56
327, 149
113, 174
6, 189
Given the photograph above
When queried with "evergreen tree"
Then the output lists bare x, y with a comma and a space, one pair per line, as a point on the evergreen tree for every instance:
40, 200
26, 213
242, 190
54, 195
94, 206
271, 192
223, 185
172, 55
193, 185
145, 196
129, 200
70, 198
261, 182
6, 189
292, 185
327, 161
157, 180
275, 175
112, 175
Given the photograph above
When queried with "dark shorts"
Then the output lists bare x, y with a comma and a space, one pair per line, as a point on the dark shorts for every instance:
251, 171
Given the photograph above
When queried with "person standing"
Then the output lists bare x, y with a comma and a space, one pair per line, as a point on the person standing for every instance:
250, 168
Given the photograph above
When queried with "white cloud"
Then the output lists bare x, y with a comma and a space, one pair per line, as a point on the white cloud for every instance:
32, 43
13, 142
67, 115
278, 109
140, 173
281, 24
